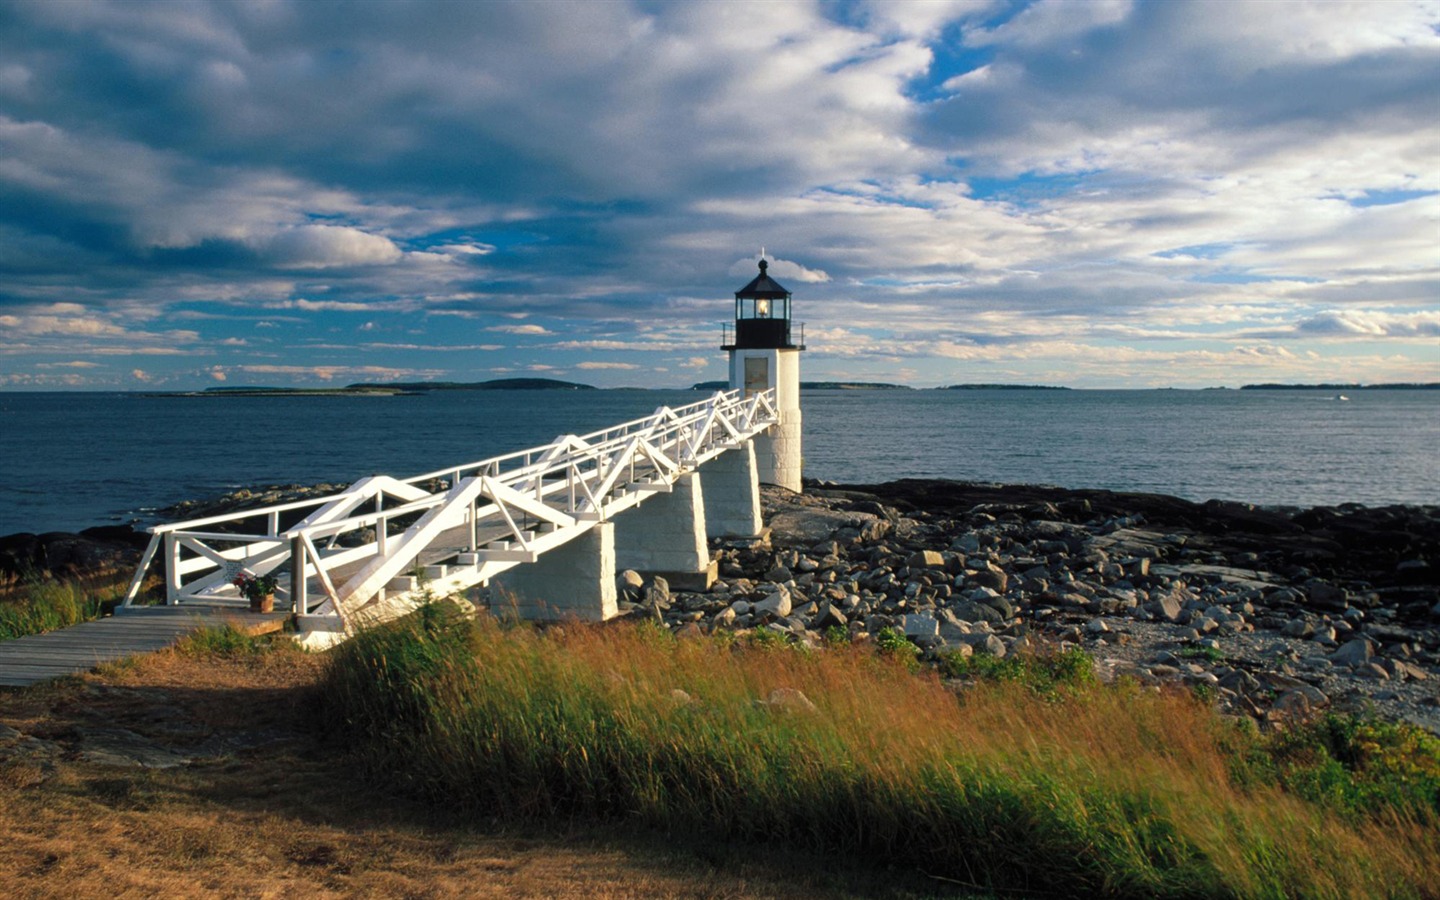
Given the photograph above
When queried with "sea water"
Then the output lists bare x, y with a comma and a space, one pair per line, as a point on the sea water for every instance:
72, 460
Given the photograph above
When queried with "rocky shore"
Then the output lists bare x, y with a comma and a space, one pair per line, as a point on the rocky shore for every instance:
1277, 613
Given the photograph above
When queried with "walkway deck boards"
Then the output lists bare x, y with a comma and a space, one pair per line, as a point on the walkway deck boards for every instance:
38, 657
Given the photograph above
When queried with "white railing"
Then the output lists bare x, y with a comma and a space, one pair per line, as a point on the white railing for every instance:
353, 546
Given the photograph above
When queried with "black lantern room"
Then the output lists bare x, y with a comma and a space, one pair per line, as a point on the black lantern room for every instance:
762, 315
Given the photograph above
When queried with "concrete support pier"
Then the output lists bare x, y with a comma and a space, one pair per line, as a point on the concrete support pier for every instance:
732, 494
778, 451
573, 581
665, 536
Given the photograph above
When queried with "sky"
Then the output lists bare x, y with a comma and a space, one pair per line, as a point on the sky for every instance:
1092, 193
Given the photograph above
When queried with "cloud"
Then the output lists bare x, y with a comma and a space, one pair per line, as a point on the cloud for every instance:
519, 329
1050, 22
1370, 324
72, 364
593, 365
948, 181
325, 247
779, 268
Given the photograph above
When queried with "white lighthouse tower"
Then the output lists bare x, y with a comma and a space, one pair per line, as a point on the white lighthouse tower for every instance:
765, 355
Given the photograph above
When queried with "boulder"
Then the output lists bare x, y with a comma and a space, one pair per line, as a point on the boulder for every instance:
926, 559
629, 584
1354, 653
790, 700
776, 603
918, 625
988, 644
970, 611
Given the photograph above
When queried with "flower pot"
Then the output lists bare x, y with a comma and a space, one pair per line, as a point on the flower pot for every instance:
263, 604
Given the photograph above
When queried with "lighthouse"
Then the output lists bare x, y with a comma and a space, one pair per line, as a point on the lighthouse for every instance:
764, 354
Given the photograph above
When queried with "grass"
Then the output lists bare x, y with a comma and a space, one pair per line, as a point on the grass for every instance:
41, 604
1012, 785
1212, 654
228, 640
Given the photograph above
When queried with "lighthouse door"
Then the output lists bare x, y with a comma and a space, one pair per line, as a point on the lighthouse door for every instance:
757, 375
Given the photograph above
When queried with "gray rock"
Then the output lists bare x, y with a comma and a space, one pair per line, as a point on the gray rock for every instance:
926, 559
776, 603
966, 543
959, 647
1298, 628
1003, 606
1167, 608
1301, 700
629, 584
657, 593
970, 611
990, 577
1353, 653
988, 644
779, 574
790, 700
918, 625
1327, 596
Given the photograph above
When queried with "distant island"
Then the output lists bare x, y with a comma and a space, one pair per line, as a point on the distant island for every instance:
393, 389
815, 386
1395, 386
498, 384
1002, 387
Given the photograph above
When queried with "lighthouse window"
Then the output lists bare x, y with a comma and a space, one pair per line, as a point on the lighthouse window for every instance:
757, 375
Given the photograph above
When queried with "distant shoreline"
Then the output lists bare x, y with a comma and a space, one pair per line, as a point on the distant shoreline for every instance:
415, 388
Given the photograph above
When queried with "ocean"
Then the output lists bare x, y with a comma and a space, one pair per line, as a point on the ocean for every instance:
72, 460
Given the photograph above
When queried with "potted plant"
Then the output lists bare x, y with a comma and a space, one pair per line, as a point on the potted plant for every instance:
258, 589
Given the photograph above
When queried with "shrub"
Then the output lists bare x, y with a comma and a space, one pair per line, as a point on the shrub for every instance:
1360, 765
1043, 671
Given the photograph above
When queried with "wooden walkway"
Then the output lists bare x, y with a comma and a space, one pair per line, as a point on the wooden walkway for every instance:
37, 657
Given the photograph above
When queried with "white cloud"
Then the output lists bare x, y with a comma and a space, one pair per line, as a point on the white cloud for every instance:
326, 246
519, 329
779, 268
592, 365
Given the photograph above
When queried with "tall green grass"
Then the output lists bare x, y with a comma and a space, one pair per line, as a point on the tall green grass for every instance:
1086, 791
44, 604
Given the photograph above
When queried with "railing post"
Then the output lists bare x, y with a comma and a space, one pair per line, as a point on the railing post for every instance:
298, 599
172, 569
382, 540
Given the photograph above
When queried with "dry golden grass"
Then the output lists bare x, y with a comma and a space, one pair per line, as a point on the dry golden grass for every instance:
287, 819
1115, 791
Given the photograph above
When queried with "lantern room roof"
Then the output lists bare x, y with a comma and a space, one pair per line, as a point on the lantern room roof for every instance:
762, 287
